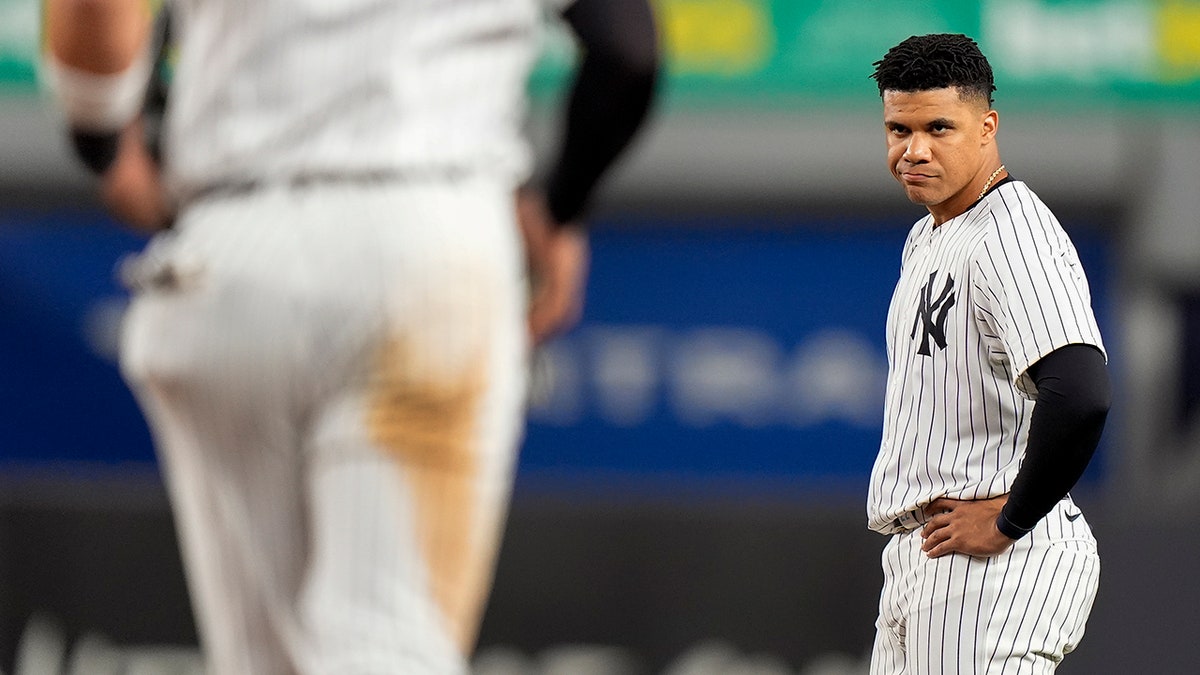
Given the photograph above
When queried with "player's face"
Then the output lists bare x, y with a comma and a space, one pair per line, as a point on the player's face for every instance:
940, 147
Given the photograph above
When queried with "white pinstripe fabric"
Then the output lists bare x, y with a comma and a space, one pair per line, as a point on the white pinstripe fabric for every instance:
1018, 613
334, 369
272, 88
979, 299
956, 421
322, 513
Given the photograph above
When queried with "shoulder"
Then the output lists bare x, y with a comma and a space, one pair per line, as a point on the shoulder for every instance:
1013, 214
1015, 206
1020, 232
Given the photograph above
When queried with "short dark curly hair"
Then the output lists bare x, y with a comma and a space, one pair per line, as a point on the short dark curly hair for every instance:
936, 61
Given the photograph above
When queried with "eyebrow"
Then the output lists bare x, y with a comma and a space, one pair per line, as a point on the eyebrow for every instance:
936, 122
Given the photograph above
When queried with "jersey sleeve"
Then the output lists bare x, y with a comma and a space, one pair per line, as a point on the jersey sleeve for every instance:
1031, 286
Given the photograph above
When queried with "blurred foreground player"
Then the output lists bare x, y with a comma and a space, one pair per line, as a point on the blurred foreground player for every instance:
331, 342
997, 393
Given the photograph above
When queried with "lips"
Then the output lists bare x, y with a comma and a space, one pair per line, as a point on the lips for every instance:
913, 177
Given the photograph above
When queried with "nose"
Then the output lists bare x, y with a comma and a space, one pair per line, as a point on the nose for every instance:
917, 150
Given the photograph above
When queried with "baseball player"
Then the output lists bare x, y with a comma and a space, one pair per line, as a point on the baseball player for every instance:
997, 393
330, 343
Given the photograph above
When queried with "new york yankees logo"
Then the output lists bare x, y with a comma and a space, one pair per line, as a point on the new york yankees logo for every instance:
933, 327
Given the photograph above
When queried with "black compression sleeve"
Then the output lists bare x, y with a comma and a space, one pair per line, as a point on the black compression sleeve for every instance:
1072, 404
97, 150
609, 99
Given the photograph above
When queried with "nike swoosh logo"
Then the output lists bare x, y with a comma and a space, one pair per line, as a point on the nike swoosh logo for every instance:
1074, 516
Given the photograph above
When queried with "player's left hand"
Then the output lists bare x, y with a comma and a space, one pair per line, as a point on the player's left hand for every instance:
964, 526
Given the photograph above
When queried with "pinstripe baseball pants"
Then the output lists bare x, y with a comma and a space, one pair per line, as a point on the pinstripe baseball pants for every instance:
335, 379
1018, 612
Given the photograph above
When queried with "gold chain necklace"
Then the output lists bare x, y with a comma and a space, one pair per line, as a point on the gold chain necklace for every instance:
988, 184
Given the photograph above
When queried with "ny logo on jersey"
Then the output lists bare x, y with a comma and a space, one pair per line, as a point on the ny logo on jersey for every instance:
933, 327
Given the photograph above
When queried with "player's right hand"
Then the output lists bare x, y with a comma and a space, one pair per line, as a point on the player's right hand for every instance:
558, 259
964, 526
131, 187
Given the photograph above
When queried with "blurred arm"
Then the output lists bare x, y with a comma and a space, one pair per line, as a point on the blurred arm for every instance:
102, 37
98, 64
608, 103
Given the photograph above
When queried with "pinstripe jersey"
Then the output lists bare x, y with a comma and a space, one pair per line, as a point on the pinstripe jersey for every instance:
278, 88
980, 298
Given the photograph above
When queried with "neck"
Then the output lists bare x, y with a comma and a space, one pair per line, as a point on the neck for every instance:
969, 195
992, 178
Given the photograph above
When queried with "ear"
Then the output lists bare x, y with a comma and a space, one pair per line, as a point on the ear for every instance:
990, 125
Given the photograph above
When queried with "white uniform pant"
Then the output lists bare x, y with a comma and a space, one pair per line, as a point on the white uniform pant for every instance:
1016, 613
335, 379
